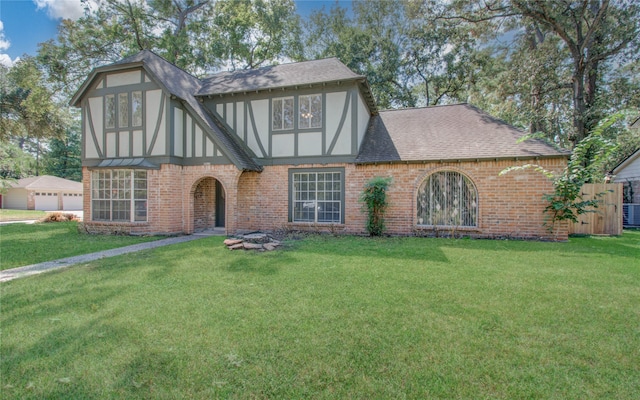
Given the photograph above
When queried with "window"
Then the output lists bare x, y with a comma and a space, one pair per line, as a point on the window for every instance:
282, 113
123, 110
447, 198
317, 196
119, 195
110, 111
310, 111
126, 111
136, 109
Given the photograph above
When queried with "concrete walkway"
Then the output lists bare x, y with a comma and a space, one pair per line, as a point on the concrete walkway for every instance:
34, 269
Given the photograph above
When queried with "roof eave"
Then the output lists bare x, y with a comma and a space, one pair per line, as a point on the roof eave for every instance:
624, 163
460, 160
280, 88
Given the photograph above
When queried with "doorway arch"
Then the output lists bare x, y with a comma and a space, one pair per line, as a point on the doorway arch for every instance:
209, 207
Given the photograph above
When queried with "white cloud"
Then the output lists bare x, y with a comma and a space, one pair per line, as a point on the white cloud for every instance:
5, 59
4, 43
67, 9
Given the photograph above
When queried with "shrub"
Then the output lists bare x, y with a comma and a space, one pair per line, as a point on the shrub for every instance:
58, 217
374, 197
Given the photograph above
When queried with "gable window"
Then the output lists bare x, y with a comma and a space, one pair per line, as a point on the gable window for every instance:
317, 195
119, 195
310, 115
110, 111
136, 109
125, 108
447, 198
282, 113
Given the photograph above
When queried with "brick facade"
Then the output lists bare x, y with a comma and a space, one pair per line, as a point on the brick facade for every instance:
181, 199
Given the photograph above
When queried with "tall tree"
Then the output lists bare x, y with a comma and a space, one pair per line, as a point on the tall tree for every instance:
370, 43
593, 33
29, 112
252, 33
199, 36
63, 157
27, 105
409, 58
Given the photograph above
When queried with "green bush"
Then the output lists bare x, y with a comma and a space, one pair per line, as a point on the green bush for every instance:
374, 197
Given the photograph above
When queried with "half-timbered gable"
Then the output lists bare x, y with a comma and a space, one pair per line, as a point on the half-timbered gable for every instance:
304, 112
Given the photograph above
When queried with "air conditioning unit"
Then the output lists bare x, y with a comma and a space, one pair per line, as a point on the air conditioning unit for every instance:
631, 214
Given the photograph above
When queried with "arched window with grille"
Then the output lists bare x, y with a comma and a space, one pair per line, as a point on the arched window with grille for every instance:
447, 198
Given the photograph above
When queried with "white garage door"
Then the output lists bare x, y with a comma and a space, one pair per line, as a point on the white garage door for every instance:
47, 201
72, 201
15, 199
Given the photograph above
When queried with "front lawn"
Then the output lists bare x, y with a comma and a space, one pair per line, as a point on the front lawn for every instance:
332, 318
20, 215
23, 244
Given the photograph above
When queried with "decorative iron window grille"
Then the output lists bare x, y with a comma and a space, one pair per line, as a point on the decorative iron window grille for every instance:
447, 198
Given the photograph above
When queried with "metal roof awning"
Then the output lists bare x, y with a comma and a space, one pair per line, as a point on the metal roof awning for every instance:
127, 163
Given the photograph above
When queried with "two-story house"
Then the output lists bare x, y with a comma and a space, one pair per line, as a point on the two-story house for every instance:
291, 146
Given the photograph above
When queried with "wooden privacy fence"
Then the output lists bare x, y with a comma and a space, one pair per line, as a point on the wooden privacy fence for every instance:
607, 218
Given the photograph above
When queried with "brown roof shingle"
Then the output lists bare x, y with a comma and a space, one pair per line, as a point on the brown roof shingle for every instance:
454, 132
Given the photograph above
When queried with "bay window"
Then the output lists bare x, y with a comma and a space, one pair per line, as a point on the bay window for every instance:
119, 195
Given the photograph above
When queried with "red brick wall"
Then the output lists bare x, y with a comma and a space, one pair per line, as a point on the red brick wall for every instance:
204, 196
170, 200
508, 206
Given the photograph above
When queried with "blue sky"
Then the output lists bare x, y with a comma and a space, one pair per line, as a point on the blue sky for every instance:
25, 23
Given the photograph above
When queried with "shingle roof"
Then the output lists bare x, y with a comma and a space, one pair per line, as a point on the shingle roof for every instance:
278, 76
48, 182
455, 132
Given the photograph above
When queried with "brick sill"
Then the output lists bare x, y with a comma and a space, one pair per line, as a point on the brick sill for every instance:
432, 228
114, 223
312, 224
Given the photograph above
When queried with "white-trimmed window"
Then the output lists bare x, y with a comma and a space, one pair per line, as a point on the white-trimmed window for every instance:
310, 115
119, 195
447, 198
282, 113
317, 195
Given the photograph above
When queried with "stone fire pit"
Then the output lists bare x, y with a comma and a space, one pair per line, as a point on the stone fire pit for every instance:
252, 241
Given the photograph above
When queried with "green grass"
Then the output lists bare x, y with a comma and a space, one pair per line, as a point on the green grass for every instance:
25, 244
20, 215
330, 318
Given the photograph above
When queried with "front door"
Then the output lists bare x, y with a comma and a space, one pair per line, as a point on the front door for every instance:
220, 207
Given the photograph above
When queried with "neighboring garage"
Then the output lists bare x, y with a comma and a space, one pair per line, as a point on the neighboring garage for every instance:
44, 193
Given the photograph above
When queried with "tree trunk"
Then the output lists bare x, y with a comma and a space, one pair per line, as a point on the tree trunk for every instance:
579, 106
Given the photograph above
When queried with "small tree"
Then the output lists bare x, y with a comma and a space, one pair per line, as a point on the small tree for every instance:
374, 197
586, 165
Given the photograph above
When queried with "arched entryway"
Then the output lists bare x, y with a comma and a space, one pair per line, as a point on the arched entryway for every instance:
208, 205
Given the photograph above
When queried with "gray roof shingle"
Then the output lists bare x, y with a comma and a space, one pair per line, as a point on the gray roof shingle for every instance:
454, 132
278, 76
